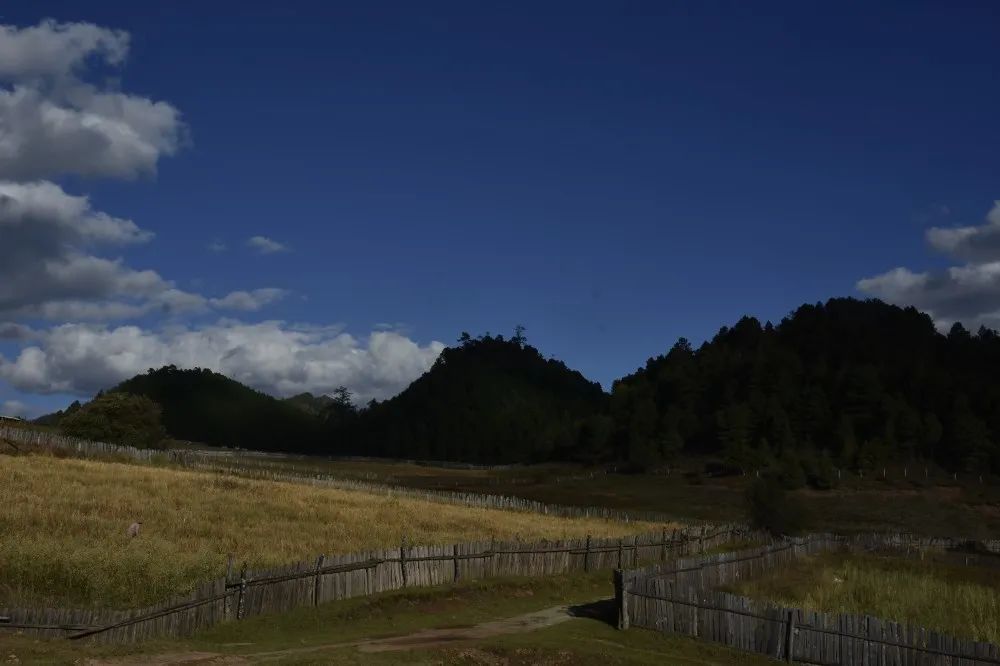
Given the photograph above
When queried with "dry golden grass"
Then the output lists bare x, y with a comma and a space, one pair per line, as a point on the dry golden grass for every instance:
63, 525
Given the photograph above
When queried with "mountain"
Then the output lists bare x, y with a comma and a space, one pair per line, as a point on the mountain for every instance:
203, 406
485, 400
858, 383
309, 403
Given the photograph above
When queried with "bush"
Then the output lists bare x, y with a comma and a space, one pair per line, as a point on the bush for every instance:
769, 508
820, 472
791, 476
117, 418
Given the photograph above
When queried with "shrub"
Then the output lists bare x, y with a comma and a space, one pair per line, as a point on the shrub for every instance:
790, 472
769, 508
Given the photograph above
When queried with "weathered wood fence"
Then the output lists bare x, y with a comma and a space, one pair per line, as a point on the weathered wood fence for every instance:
681, 598
210, 463
245, 593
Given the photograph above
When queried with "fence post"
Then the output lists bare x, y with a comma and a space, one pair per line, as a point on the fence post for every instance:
619, 553
790, 637
635, 550
402, 560
227, 603
319, 567
663, 546
621, 600
454, 554
243, 592
586, 555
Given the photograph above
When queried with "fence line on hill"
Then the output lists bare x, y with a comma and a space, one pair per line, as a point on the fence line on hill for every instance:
329, 578
680, 598
194, 460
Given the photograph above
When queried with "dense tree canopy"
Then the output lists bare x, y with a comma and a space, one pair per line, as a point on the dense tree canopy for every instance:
860, 383
204, 406
485, 400
117, 418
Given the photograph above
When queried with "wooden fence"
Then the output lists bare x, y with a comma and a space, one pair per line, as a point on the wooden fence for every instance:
245, 593
209, 462
680, 598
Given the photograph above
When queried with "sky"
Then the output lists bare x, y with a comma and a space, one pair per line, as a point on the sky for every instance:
304, 194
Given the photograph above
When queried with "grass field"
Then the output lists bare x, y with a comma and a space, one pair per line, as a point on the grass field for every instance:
64, 524
937, 506
936, 594
322, 635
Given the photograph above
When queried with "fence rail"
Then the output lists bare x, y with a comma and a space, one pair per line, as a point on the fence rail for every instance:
331, 578
681, 598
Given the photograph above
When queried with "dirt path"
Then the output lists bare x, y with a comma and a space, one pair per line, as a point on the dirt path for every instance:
427, 638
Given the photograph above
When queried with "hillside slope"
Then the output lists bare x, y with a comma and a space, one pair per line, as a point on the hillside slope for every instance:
485, 400
204, 406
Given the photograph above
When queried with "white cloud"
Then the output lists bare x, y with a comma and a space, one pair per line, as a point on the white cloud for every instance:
52, 122
975, 243
48, 271
248, 301
217, 246
969, 293
14, 408
56, 50
271, 356
265, 245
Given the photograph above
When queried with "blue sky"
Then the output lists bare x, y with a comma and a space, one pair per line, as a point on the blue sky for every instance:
610, 175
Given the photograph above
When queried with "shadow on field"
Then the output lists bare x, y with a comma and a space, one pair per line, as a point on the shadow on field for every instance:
602, 611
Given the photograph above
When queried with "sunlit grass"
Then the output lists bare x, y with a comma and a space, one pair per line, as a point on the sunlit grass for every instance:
63, 528
952, 599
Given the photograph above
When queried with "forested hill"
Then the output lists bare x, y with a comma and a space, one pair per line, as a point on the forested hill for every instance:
860, 383
204, 406
485, 400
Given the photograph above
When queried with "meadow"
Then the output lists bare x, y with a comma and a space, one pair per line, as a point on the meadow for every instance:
940, 505
937, 593
64, 525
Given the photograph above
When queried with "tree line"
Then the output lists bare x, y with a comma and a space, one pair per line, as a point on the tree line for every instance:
847, 383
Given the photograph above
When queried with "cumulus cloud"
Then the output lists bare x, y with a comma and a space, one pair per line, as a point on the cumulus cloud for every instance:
271, 356
52, 49
47, 269
265, 245
52, 122
969, 293
60, 257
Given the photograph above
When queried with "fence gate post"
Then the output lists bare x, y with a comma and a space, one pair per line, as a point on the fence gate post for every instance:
790, 637
586, 555
240, 604
621, 599
319, 567
402, 560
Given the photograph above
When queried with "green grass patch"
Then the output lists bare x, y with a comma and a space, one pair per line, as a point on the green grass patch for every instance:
958, 600
578, 641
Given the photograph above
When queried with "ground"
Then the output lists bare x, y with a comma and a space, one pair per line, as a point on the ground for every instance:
519, 621
938, 504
